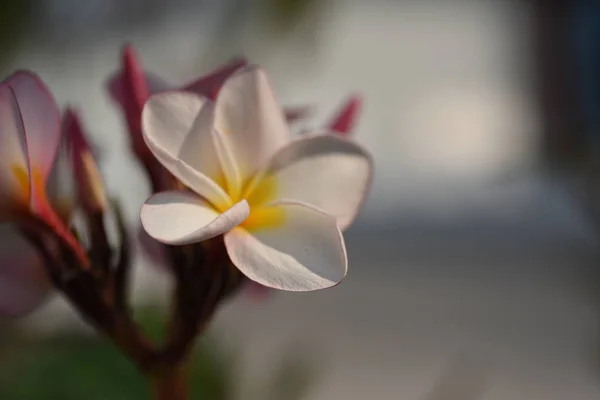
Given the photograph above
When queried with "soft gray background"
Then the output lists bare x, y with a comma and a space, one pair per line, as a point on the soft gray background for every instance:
466, 248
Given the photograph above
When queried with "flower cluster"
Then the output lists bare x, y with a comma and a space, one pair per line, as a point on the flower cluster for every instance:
237, 199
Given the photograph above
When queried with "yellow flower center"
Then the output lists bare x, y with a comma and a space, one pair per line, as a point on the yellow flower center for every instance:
258, 194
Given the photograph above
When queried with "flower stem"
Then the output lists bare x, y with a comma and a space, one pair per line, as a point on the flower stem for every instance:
169, 385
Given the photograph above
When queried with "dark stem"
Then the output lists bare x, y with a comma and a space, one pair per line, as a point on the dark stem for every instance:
100, 252
202, 278
81, 288
122, 270
169, 385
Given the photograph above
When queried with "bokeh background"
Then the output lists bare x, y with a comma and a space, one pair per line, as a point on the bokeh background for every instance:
474, 267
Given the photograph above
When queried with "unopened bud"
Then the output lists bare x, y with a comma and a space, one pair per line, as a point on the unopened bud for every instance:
90, 186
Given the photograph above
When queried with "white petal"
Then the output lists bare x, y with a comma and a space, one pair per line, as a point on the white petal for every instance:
202, 184
304, 251
182, 218
176, 128
231, 172
326, 171
198, 148
246, 110
167, 119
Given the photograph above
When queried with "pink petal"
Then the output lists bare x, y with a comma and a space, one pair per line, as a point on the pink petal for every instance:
210, 84
13, 186
23, 281
343, 122
40, 119
129, 84
117, 83
130, 88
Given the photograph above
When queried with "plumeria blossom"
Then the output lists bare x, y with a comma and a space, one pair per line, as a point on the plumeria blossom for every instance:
34, 190
280, 203
74, 178
341, 124
131, 87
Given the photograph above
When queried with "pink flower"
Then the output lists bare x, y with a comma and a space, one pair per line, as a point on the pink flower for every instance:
33, 194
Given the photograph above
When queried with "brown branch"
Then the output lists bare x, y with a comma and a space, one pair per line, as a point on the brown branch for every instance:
202, 278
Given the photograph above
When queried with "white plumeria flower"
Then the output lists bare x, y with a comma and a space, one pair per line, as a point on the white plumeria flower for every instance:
280, 203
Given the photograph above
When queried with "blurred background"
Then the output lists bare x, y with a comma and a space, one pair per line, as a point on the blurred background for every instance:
475, 263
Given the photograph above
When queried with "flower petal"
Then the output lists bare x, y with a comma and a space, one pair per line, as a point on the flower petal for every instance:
182, 218
167, 119
209, 84
343, 122
130, 87
198, 147
247, 112
231, 172
304, 252
23, 281
177, 129
40, 118
326, 171
132, 82
13, 163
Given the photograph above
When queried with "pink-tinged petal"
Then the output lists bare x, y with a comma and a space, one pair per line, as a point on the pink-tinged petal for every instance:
90, 186
177, 129
132, 81
180, 218
210, 84
14, 179
41, 121
131, 87
343, 122
247, 112
23, 281
326, 171
135, 92
135, 88
303, 251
